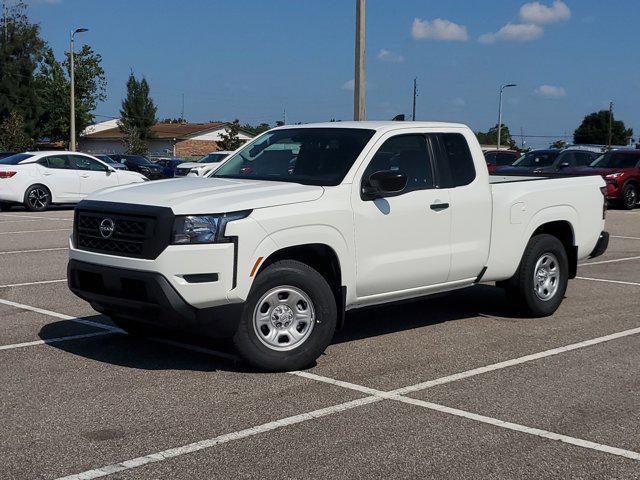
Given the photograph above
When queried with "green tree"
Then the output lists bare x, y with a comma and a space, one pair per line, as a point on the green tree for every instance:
491, 137
594, 129
54, 86
559, 144
13, 137
257, 129
229, 139
138, 112
21, 50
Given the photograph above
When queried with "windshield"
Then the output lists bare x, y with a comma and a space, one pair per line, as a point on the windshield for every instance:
536, 159
616, 160
138, 160
15, 159
213, 158
313, 156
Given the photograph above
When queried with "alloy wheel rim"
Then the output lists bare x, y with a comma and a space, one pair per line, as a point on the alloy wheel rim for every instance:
546, 276
631, 197
283, 318
37, 198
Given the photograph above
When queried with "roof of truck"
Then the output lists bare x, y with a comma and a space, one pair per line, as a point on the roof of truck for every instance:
376, 125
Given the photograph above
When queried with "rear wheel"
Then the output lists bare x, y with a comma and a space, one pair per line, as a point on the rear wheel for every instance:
289, 318
539, 284
37, 198
629, 196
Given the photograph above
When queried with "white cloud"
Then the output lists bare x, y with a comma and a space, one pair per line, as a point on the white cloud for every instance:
389, 56
438, 29
349, 85
550, 91
541, 14
513, 32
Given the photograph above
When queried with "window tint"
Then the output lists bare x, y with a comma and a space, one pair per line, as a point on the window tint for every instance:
458, 157
505, 159
15, 159
86, 163
491, 158
406, 154
56, 161
583, 159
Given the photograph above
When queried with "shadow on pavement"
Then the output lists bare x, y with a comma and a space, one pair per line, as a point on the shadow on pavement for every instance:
133, 352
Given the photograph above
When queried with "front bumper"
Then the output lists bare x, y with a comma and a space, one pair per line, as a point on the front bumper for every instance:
148, 297
601, 245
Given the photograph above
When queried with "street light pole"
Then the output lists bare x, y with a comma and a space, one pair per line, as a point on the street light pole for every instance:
359, 83
502, 87
72, 133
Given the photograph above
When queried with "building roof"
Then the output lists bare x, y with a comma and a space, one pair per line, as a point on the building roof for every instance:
162, 130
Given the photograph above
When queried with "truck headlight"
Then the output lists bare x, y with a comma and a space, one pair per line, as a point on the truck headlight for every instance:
197, 229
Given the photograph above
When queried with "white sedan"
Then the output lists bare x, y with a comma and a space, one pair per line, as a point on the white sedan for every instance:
39, 179
201, 167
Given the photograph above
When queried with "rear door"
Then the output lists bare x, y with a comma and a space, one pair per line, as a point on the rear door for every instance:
471, 203
402, 240
94, 175
60, 176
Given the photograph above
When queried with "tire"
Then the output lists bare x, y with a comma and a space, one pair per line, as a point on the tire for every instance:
544, 260
136, 329
630, 196
37, 198
5, 207
288, 296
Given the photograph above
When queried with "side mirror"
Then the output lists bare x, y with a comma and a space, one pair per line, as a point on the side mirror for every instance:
384, 183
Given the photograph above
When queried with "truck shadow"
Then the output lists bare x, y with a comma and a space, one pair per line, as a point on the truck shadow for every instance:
131, 352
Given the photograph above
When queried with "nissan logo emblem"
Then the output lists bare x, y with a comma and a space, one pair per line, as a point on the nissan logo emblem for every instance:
107, 227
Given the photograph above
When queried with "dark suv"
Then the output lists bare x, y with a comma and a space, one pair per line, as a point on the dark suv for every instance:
140, 164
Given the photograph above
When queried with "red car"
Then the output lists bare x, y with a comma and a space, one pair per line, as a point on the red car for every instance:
621, 170
500, 158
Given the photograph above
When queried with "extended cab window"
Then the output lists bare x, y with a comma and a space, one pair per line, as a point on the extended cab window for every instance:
56, 161
457, 157
407, 154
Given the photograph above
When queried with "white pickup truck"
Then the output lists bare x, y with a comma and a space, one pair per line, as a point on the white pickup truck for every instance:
307, 222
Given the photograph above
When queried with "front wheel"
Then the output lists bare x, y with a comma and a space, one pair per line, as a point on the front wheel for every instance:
37, 198
289, 318
629, 196
539, 284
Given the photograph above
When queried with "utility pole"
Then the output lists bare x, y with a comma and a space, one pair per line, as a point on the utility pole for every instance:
502, 87
284, 116
72, 134
182, 111
415, 94
610, 124
359, 90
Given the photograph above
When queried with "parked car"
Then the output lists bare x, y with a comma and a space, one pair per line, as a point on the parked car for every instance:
364, 213
621, 170
110, 161
39, 179
500, 158
140, 164
530, 161
203, 166
169, 166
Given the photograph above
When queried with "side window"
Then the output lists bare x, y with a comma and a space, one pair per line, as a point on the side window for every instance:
491, 158
583, 159
505, 159
457, 157
406, 154
86, 163
60, 162
570, 158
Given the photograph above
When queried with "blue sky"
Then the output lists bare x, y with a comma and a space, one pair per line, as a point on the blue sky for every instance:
250, 59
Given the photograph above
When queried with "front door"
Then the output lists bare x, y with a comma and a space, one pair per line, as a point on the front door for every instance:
403, 240
93, 175
60, 177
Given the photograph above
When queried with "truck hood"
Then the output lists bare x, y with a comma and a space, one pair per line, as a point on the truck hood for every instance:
196, 195
191, 165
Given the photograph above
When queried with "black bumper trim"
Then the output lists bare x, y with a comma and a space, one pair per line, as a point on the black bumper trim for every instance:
601, 246
148, 297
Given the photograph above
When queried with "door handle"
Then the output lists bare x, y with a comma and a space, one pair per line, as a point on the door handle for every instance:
85, 176
46, 174
439, 206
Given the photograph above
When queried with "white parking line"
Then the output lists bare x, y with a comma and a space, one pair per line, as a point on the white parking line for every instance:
37, 231
35, 250
627, 238
26, 284
39, 219
615, 260
70, 219
620, 282
54, 340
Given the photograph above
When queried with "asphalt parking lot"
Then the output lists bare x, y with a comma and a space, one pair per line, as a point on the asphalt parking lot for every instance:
456, 386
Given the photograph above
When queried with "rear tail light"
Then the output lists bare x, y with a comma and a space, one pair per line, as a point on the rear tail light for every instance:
603, 191
6, 174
